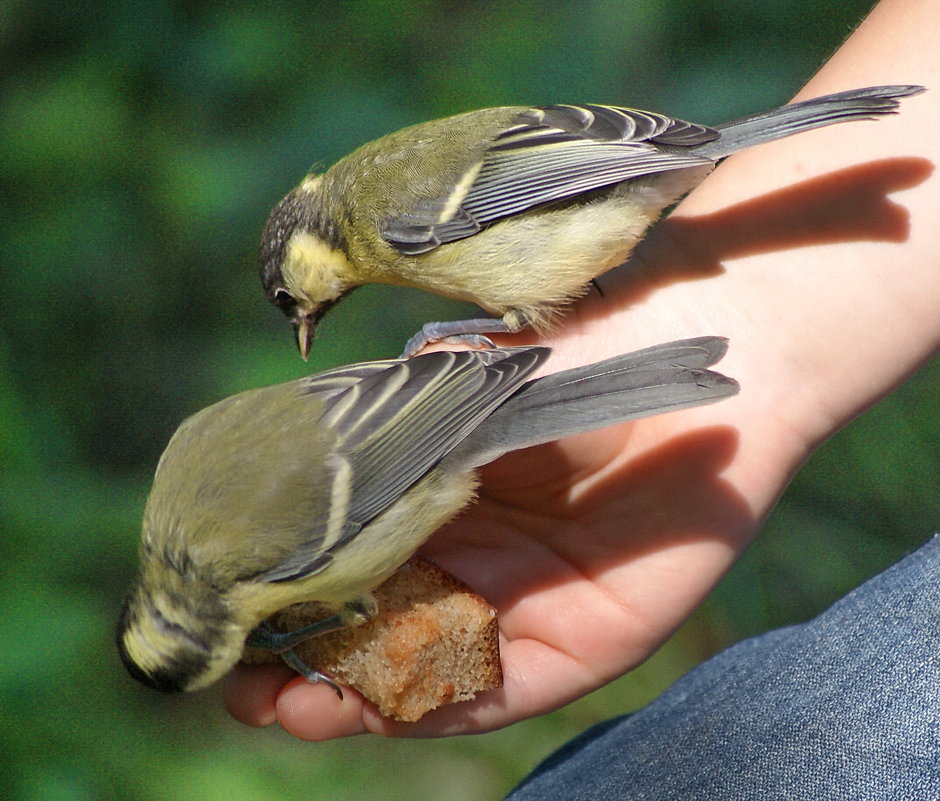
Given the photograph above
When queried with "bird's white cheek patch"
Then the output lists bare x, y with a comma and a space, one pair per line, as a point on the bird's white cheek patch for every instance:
314, 270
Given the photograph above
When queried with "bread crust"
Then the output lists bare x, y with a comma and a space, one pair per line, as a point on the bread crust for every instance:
433, 642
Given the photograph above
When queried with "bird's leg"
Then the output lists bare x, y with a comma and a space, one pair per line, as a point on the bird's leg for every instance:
353, 613
312, 675
465, 332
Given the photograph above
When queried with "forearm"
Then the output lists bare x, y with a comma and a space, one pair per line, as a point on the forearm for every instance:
852, 316
818, 256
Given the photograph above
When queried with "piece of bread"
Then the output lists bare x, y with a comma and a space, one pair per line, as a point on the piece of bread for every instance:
433, 642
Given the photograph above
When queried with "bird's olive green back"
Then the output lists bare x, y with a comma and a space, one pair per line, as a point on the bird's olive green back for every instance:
244, 465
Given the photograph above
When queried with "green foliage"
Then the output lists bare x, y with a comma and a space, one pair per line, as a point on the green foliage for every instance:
141, 148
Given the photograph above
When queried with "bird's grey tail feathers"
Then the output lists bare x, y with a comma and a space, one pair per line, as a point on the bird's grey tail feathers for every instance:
857, 104
658, 379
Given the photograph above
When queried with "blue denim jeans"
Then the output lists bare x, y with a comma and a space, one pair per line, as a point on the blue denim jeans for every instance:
846, 706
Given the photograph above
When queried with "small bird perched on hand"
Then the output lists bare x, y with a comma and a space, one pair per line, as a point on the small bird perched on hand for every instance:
319, 489
515, 209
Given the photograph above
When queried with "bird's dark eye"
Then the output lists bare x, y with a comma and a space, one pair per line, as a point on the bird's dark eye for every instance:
284, 300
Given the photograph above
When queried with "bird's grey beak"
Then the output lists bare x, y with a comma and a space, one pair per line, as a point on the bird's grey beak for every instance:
305, 325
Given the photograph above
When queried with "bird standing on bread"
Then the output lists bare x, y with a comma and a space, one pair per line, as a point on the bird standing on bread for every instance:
319, 489
515, 209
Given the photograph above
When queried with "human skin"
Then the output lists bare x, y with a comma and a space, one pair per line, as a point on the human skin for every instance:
817, 256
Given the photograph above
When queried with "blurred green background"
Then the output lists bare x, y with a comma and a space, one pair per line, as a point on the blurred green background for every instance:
142, 145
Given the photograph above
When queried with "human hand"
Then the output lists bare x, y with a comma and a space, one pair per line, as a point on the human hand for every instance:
595, 549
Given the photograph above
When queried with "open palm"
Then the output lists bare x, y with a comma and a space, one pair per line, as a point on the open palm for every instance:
595, 549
